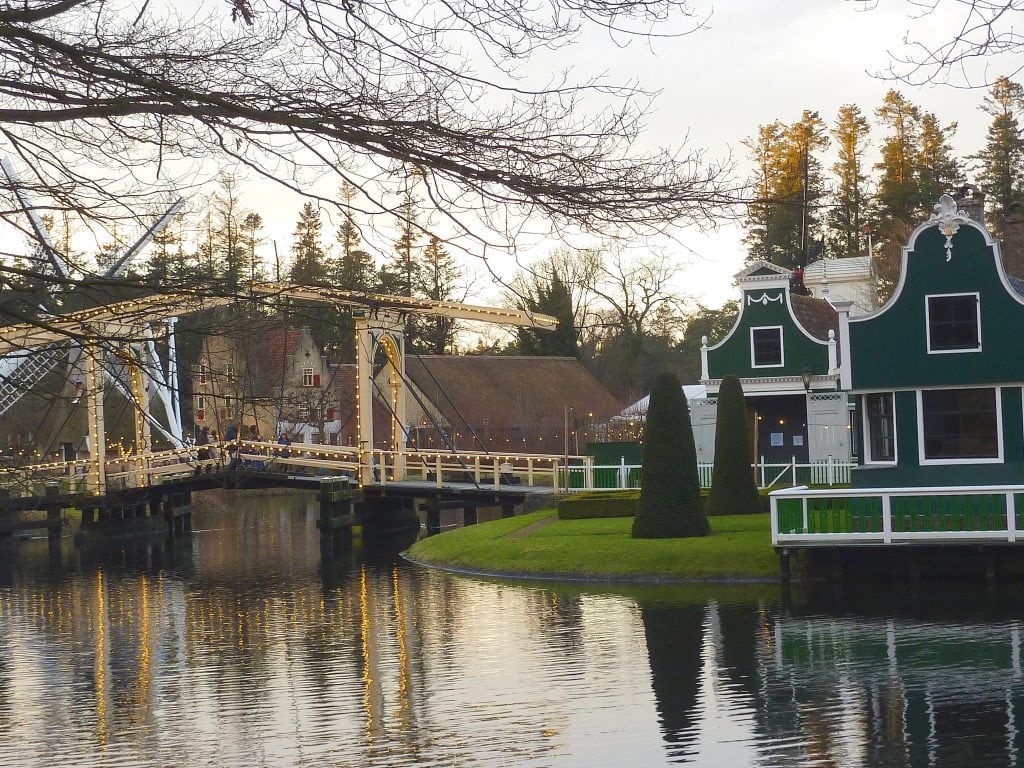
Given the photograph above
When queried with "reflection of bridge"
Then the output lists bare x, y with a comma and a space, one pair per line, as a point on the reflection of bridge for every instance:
116, 335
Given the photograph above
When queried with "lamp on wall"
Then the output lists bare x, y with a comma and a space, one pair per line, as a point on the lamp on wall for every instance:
79, 391
805, 377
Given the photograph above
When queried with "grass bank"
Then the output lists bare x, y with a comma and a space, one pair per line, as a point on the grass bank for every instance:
541, 545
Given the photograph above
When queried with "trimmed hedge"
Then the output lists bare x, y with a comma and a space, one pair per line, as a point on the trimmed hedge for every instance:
594, 504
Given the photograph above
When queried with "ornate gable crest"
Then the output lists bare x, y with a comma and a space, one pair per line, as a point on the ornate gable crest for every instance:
948, 219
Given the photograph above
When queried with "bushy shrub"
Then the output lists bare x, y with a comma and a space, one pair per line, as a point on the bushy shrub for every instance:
733, 490
670, 504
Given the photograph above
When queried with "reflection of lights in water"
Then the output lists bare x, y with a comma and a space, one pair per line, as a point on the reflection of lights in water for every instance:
401, 633
100, 673
368, 680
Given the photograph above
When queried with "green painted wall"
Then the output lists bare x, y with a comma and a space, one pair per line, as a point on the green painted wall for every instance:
890, 350
909, 472
733, 356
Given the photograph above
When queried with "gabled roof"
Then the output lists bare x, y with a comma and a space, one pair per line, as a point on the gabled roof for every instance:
817, 316
761, 272
509, 390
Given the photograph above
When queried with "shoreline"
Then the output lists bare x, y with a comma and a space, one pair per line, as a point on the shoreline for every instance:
540, 546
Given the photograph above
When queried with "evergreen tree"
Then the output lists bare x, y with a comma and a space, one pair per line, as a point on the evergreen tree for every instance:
790, 181
849, 212
550, 297
898, 189
733, 490
1001, 162
308, 254
939, 170
402, 276
252, 223
355, 271
670, 502
439, 279
226, 252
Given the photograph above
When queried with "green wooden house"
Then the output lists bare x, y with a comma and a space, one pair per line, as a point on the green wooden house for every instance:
783, 348
937, 378
938, 372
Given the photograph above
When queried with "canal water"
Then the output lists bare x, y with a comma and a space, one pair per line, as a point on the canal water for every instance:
238, 647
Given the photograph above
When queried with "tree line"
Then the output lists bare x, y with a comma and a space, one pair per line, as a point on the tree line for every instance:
803, 210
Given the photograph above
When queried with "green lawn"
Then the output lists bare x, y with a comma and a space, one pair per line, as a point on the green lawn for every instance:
739, 548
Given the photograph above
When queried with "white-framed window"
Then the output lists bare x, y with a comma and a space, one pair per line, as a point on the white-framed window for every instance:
229, 371
304, 411
953, 322
202, 374
200, 410
957, 426
766, 347
307, 377
879, 428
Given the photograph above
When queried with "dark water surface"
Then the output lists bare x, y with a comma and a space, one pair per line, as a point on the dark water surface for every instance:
238, 648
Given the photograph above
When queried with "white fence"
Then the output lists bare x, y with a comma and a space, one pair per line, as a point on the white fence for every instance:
622, 475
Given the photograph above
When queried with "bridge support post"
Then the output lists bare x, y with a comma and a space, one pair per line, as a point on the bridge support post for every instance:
337, 512
469, 516
432, 509
54, 523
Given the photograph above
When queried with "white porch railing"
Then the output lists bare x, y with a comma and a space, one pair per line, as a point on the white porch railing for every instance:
943, 515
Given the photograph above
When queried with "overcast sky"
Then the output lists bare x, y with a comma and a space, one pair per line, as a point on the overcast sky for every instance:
755, 62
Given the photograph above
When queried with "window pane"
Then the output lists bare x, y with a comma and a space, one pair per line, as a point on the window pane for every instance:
953, 322
767, 346
881, 441
959, 423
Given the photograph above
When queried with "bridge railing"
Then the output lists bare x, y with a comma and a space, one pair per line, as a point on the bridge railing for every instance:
482, 469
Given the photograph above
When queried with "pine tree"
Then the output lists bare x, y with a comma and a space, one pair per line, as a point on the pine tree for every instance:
252, 223
1001, 162
939, 170
898, 189
733, 490
849, 213
790, 182
402, 275
308, 254
550, 297
439, 279
355, 271
670, 503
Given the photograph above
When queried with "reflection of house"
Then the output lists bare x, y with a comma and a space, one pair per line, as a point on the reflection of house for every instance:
784, 351
271, 377
504, 403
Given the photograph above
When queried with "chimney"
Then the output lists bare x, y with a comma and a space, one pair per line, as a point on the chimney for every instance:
1013, 242
971, 201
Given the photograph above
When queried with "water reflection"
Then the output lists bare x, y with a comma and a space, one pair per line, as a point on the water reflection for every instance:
239, 646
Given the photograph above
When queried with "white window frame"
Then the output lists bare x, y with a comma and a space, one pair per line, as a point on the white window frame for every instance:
999, 431
307, 377
865, 425
782, 346
305, 411
229, 371
928, 322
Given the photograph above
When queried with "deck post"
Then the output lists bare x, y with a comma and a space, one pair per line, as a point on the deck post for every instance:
1011, 517
784, 571
886, 518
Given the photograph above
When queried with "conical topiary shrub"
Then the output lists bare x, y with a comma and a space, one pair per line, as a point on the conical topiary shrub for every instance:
670, 503
733, 490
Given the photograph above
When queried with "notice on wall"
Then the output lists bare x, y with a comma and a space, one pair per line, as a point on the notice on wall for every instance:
798, 439
777, 440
